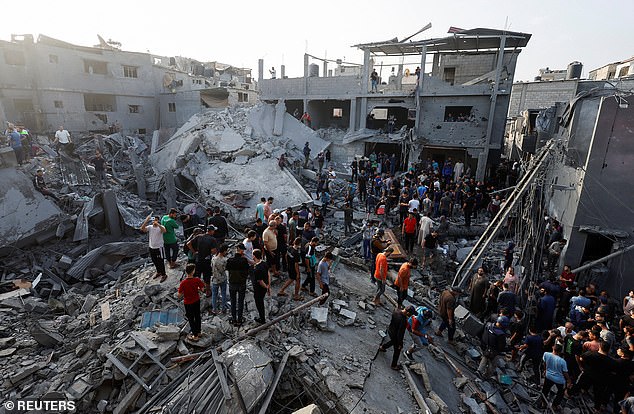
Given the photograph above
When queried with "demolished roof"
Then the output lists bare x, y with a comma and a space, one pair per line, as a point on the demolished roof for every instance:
474, 39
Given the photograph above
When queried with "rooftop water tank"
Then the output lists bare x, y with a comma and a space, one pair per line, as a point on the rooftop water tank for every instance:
574, 70
313, 70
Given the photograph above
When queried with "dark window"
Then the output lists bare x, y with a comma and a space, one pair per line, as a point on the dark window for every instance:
457, 113
95, 67
171, 106
99, 102
14, 57
243, 97
337, 112
23, 105
449, 75
134, 109
142, 131
59, 104
130, 72
53, 59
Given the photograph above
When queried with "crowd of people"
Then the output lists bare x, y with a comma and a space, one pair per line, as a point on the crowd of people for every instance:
278, 243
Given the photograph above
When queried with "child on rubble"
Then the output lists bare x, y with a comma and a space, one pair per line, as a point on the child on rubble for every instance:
190, 289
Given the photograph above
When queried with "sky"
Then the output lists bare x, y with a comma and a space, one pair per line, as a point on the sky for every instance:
280, 32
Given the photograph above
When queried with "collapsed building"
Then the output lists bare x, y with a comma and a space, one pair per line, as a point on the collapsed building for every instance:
456, 108
88, 323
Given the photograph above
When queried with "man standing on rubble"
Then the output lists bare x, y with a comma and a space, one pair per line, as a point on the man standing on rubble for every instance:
306, 150
157, 251
269, 240
380, 274
169, 237
409, 231
323, 275
219, 280
222, 228
417, 326
100, 169
377, 245
446, 306
238, 268
261, 284
403, 278
189, 290
204, 247
396, 332
493, 344
294, 257
62, 138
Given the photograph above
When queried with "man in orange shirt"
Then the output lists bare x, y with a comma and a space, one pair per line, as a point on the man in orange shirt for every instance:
402, 280
380, 273
408, 231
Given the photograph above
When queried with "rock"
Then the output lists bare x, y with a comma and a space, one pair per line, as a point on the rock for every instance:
340, 303
474, 408
7, 352
296, 351
153, 290
319, 316
45, 335
79, 388
101, 406
34, 305
81, 349
4, 342
168, 333
19, 376
433, 407
138, 301
361, 305
94, 342
459, 382
348, 314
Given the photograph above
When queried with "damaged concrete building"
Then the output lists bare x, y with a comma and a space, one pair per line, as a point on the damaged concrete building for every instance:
456, 108
49, 82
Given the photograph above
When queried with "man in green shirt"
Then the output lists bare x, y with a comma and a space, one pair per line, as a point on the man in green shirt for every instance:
169, 237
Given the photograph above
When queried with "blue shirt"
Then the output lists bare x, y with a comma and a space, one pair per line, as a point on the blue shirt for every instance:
323, 271
16, 141
259, 209
555, 368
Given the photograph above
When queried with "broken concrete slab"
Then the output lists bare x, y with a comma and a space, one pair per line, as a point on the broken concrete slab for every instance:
226, 140
168, 333
348, 314
45, 334
25, 212
110, 253
252, 369
170, 155
319, 316
310, 409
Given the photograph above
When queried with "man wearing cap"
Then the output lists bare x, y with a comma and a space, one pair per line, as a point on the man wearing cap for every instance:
377, 245
169, 237
493, 344
380, 274
446, 306
238, 268
417, 326
402, 279
204, 247
396, 332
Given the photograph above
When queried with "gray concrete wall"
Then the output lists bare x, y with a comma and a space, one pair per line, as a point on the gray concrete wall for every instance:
187, 104
539, 95
597, 178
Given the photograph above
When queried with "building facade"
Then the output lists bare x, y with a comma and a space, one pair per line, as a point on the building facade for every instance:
49, 83
456, 108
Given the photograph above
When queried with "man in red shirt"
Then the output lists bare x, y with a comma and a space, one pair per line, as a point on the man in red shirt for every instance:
567, 278
408, 231
189, 290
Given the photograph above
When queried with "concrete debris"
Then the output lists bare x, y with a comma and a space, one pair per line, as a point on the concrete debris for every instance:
310, 409
45, 334
319, 316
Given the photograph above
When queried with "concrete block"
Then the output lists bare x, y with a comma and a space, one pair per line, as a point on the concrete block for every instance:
348, 314
168, 333
319, 316
461, 312
89, 303
310, 409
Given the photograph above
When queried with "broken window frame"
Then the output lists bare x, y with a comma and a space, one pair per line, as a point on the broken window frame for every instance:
135, 109
95, 67
130, 71
456, 111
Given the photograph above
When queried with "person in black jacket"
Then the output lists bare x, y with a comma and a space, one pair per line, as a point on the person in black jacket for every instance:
493, 344
396, 332
238, 268
261, 284
222, 228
